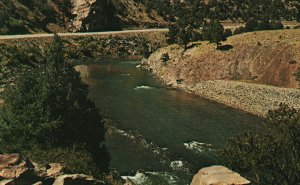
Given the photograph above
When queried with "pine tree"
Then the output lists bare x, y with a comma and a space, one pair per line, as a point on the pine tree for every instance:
214, 32
49, 108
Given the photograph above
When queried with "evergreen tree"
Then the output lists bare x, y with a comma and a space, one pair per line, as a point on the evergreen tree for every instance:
214, 32
49, 108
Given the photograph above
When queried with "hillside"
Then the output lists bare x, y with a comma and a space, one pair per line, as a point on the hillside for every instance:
32, 16
266, 57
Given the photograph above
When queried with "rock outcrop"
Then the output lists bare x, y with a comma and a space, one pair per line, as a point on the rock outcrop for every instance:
80, 9
218, 175
76, 179
83, 70
17, 170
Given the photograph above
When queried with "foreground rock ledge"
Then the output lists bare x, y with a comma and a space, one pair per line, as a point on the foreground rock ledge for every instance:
218, 175
17, 170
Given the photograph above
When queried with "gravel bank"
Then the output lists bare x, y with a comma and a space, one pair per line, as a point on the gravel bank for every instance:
253, 98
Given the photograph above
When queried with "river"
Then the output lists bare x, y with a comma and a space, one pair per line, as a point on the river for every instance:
164, 134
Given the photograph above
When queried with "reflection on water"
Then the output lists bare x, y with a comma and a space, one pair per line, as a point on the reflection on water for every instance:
184, 127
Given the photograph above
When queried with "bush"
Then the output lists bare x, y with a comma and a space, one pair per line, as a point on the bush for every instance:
297, 75
272, 156
76, 159
251, 25
227, 32
240, 30
276, 25
264, 25
48, 108
214, 32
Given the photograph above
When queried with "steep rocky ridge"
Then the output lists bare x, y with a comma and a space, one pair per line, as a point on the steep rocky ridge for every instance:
134, 14
81, 9
36, 16
266, 57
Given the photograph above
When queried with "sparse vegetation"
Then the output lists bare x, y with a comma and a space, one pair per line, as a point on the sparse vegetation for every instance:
271, 156
253, 25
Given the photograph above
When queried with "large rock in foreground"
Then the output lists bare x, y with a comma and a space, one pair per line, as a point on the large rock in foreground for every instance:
76, 179
218, 175
17, 170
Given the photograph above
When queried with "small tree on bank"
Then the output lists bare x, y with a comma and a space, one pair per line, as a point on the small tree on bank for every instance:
48, 108
181, 33
214, 32
271, 157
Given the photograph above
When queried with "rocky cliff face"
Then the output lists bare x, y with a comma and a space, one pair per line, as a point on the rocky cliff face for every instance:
81, 9
95, 15
31, 16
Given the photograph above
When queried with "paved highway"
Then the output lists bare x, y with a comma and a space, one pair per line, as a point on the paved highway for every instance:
7, 37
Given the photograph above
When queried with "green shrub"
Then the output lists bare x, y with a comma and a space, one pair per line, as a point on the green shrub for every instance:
48, 108
271, 157
76, 159
251, 25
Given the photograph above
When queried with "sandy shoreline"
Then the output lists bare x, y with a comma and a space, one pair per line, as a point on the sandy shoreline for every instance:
256, 99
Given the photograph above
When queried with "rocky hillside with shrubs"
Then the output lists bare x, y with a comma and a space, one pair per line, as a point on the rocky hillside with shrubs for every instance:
260, 57
267, 57
31, 16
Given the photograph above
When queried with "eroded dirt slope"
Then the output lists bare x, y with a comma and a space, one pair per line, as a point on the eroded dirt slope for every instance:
266, 57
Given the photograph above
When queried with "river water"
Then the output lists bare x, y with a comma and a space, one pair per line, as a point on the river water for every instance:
164, 135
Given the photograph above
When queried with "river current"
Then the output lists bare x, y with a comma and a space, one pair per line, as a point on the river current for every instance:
160, 135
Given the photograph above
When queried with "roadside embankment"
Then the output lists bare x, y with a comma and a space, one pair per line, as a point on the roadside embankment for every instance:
254, 72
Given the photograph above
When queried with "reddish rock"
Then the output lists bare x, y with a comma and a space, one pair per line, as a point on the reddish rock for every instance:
218, 175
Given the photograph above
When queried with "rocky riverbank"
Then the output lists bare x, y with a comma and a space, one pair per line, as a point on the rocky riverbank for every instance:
253, 98
255, 75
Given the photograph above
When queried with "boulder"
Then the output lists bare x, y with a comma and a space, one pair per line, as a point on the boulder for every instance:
13, 166
218, 175
83, 70
7, 182
49, 170
16, 170
55, 169
76, 179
